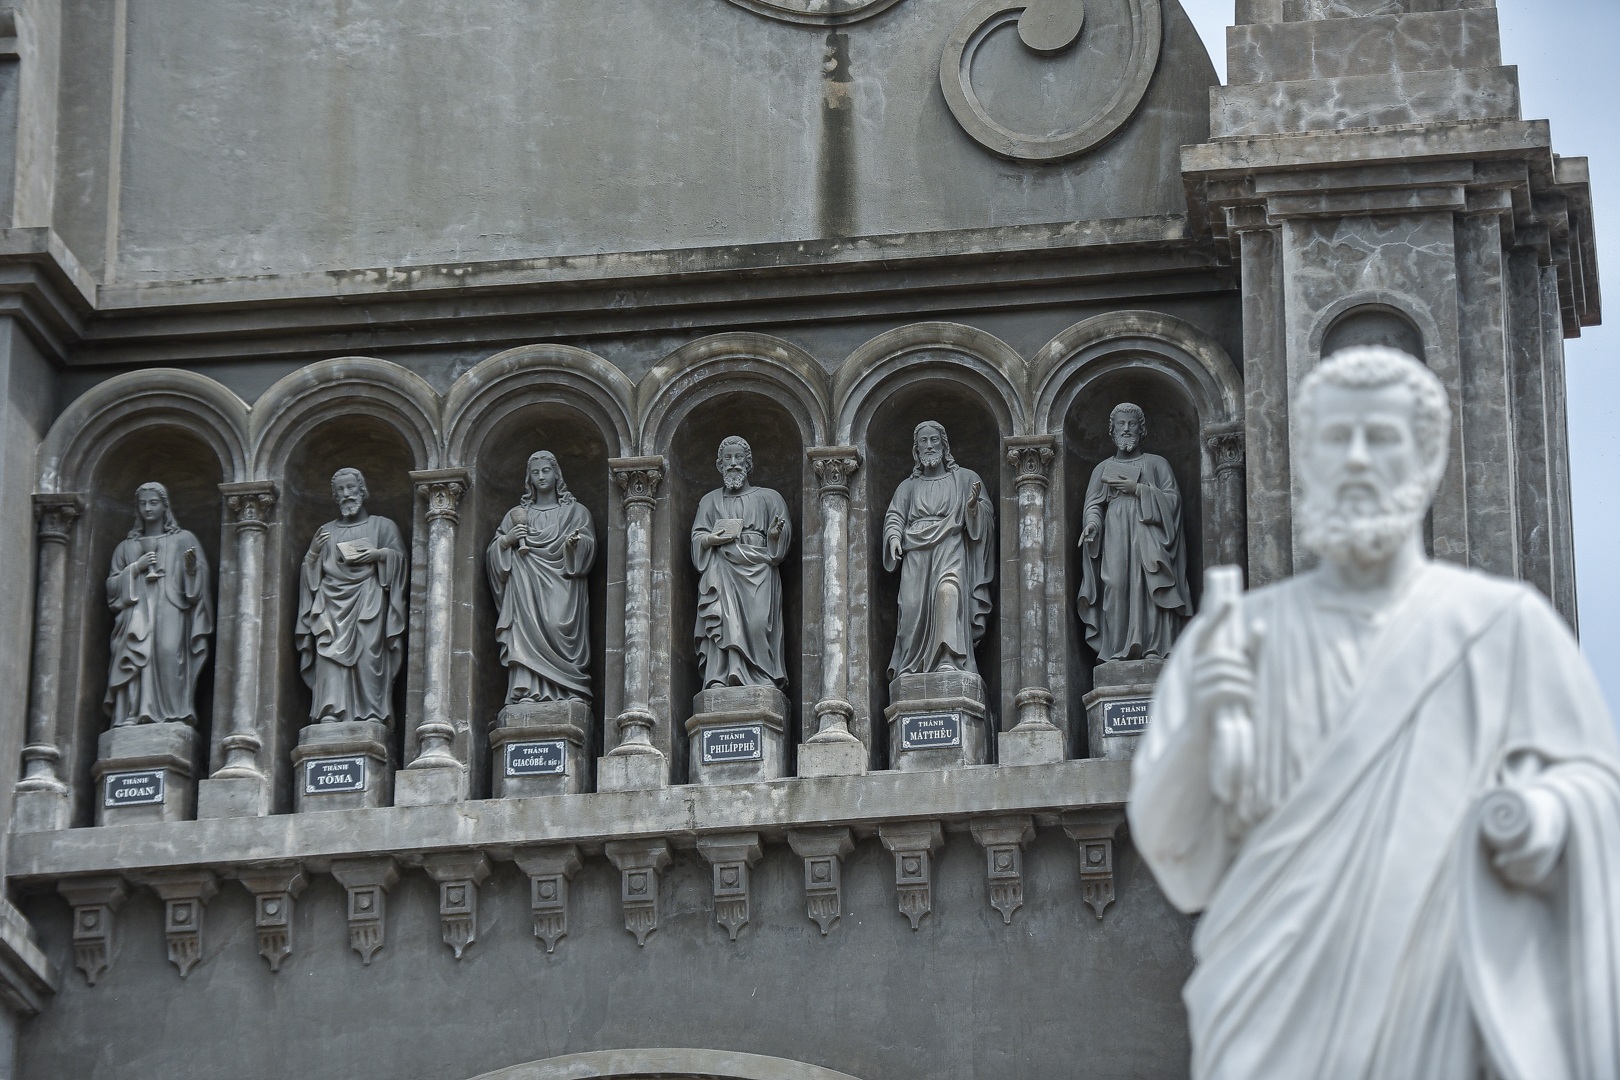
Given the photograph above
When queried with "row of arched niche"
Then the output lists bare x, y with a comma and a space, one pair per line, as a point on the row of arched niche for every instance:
193, 434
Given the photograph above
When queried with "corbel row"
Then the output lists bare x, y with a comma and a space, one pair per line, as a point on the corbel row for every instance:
731, 857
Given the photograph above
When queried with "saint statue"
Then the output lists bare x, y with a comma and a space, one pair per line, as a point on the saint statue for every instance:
739, 539
1133, 573
538, 565
940, 534
351, 610
158, 590
1390, 784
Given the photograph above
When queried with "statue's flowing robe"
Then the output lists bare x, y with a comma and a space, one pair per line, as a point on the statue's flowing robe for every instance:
540, 588
1358, 932
1133, 575
946, 572
351, 624
740, 633
160, 631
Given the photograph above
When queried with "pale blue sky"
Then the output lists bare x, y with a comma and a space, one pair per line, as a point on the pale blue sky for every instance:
1569, 74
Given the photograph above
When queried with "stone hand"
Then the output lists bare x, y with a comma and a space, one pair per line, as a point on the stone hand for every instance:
317, 545
573, 540
1525, 829
777, 525
896, 553
191, 560
515, 536
973, 498
148, 561
365, 556
1092, 531
715, 540
1123, 486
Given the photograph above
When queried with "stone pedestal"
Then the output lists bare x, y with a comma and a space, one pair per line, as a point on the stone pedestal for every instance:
937, 720
539, 748
736, 735
144, 773
342, 766
1117, 707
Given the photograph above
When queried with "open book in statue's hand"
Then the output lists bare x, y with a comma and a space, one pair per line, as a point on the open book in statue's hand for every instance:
728, 528
350, 550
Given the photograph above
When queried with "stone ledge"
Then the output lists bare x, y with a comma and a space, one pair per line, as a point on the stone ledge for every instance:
1370, 45
1365, 101
679, 813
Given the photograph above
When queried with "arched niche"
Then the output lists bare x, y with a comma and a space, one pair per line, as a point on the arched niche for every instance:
665, 1063
1373, 324
185, 462
498, 454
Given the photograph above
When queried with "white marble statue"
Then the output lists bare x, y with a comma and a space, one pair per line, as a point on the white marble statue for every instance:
1390, 785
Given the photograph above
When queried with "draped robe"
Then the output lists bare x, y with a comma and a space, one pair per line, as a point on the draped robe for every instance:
160, 631
945, 574
351, 624
1358, 932
739, 633
1133, 575
540, 588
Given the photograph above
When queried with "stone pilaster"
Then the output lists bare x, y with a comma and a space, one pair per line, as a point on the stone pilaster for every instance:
834, 750
1225, 447
43, 800
1035, 739
636, 763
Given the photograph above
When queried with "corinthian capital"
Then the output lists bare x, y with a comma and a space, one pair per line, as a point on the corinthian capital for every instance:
56, 515
250, 503
443, 489
833, 466
638, 479
1031, 457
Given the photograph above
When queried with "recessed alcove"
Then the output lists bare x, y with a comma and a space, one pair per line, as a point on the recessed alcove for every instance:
1373, 324
499, 460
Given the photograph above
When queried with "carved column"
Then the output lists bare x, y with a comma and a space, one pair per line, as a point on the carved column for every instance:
43, 799
437, 775
834, 750
635, 762
241, 787
1035, 739
1225, 444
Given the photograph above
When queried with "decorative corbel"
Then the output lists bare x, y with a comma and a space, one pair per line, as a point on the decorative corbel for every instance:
1003, 840
367, 882
913, 844
184, 893
94, 901
275, 890
550, 869
1094, 831
640, 864
732, 857
459, 874
823, 852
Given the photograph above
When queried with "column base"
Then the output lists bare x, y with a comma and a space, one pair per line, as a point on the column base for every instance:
937, 720
632, 772
1117, 707
41, 810
431, 785
143, 772
233, 796
842, 755
735, 735
342, 766
1031, 744
539, 748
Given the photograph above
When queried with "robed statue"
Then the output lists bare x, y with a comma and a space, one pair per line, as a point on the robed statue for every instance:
351, 610
538, 564
739, 539
939, 533
158, 590
1134, 598
1390, 784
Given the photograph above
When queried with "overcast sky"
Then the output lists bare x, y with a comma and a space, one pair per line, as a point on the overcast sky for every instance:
1568, 74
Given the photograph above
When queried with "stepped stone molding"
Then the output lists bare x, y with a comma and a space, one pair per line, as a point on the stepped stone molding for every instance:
817, 12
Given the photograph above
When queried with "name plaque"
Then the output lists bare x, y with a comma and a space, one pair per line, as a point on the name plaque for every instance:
144, 788
548, 757
722, 745
930, 731
324, 776
1127, 716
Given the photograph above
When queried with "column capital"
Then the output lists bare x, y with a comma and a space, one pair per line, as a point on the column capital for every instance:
833, 466
443, 489
56, 514
638, 479
251, 503
1031, 456
1225, 444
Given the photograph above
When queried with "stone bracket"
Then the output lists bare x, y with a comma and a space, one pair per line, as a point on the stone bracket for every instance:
1003, 840
641, 864
275, 890
94, 901
184, 893
459, 875
823, 852
367, 882
913, 844
550, 869
732, 857
1094, 832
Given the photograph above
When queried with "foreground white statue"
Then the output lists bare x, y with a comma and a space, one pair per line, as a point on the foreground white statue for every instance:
1390, 785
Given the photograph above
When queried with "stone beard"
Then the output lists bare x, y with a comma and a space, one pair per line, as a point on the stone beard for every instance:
158, 589
351, 614
939, 532
1397, 803
740, 631
1133, 597
539, 564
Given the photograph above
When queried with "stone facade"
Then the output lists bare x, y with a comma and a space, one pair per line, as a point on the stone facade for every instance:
249, 247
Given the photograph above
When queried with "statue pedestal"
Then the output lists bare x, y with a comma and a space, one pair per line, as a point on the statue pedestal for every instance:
937, 721
538, 748
143, 773
1117, 707
342, 766
736, 735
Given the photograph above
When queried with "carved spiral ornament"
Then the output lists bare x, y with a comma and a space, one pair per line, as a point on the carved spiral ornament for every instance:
1051, 30
817, 12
